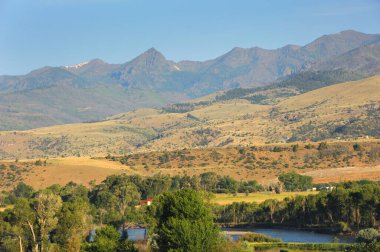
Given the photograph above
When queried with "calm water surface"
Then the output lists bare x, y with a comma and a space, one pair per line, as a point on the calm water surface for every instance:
292, 235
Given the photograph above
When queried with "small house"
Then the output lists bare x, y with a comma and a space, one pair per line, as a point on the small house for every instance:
146, 202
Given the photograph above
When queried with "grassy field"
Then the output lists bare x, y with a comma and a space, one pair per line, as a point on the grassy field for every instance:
225, 199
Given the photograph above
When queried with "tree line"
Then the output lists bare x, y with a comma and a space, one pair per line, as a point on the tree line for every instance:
181, 218
347, 207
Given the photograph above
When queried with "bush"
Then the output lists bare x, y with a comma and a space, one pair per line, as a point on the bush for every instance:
295, 147
322, 146
357, 147
344, 227
367, 235
255, 237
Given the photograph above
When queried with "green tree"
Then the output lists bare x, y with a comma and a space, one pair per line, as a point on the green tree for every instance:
46, 207
106, 239
296, 182
73, 220
209, 180
185, 223
23, 217
23, 190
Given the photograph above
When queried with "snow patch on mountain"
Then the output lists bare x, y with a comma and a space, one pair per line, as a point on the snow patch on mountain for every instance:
77, 65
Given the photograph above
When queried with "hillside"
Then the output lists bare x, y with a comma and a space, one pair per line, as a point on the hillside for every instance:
339, 161
345, 111
93, 90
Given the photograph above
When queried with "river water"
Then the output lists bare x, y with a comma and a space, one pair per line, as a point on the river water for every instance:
291, 235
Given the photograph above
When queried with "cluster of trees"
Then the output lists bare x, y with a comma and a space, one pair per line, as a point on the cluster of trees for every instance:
184, 107
308, 81
149, 187
296, 182
303, 82
348, 206
59, 218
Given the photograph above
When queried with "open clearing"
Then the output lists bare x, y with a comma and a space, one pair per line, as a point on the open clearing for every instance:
345, 174
79, 170
225, 199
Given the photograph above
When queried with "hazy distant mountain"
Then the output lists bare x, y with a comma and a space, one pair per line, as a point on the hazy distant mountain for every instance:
365, 60
95, 89
40, 78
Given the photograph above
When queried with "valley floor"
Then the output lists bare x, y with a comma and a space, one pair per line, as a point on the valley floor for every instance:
84, 170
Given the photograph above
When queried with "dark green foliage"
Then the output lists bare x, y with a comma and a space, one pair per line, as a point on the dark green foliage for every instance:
106, 239
23, 190
72, 222
309, 146
350, 205
357, 147
277, 149
119, 195
295, 147
295, 182
185, 107
38, 162
185, 223
303, 82
164, 158
322, 146
307, 81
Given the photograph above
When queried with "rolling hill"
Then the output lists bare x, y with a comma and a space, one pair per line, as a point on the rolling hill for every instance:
93, 90
344, 111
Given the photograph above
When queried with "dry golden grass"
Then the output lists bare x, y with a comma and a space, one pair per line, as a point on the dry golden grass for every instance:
349, 94
2, 209
236, 162
221, 128
78, 170
345, 174
235, 122
226, 199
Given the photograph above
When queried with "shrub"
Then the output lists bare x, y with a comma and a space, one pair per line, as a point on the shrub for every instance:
367, 235
255, 237
322, 146
357, 147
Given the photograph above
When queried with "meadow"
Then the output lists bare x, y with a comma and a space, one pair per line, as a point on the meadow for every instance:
259, 197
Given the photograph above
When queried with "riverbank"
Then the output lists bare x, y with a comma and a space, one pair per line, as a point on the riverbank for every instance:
290, 235
333, 230
300, 246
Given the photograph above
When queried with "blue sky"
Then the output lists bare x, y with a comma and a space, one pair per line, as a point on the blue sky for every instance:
36, 33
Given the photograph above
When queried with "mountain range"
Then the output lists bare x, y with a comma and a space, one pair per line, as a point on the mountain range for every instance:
94, 90
348, 110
